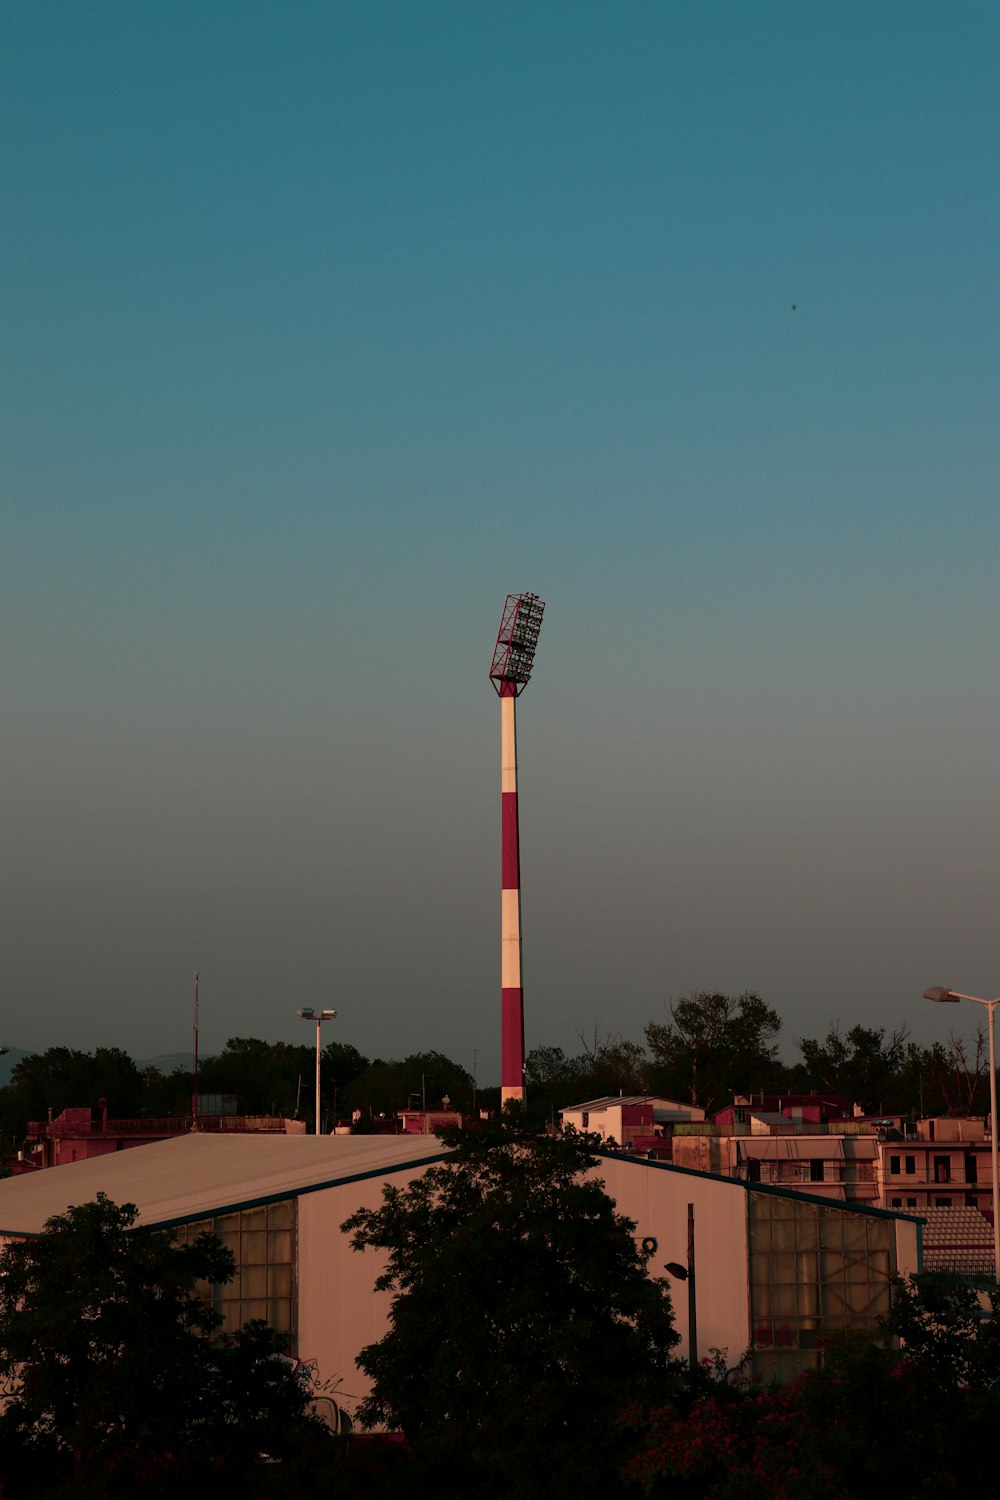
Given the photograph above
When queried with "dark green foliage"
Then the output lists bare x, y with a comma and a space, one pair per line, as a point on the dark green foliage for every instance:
606, 1066
915, 1422
61, 1078
947, 1078
523, 1319
385, 1088
120, 1376
713, 1046
861, 1064
951, 1330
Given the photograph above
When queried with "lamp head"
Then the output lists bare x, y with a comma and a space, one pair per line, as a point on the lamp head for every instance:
326, 1015
514, 652
940, 994
307, 1013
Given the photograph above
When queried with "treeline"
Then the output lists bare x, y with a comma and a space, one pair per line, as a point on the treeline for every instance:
709, 1047
262, 1078
713, 1046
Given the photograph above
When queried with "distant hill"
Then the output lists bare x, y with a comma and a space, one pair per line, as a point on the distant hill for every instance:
168, 1062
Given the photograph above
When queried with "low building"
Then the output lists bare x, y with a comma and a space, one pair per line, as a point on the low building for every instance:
776, 1272
937, 1163
641, 1123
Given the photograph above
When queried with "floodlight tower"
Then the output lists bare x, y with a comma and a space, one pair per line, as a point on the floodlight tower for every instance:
513, 658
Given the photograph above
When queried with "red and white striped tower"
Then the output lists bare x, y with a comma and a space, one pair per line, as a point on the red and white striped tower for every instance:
513, 658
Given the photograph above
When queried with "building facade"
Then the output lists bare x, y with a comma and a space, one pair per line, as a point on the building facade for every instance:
776, 1271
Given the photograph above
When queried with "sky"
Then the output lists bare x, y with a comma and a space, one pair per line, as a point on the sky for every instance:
325, 327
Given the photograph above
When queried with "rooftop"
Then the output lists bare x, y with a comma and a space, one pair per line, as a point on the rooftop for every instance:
198, 1175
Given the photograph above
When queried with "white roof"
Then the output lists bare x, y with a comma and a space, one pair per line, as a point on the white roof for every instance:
199, 1175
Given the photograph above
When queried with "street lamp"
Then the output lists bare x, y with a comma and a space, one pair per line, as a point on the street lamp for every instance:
946, 996
319, 1016
686, 1273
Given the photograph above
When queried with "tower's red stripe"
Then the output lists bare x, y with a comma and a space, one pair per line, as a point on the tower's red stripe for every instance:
510, 869
512, 1040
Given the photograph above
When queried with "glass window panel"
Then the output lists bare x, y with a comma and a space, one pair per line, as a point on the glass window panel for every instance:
254, 1247
280, 1245
785, 1302
834, 1305
878, 1261
880, 1300
855, 1235
831, 1266
254, 1307
783, 1237
783, 1267
762, 1275
280, 1314
279, 1215
808, 1299
279, 1281
254, 1279
808, 1265
231, 1319
831, 1232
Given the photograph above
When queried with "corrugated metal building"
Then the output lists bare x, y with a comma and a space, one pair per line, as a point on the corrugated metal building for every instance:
774, 1270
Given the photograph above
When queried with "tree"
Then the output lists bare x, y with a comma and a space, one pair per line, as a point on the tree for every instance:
712, 1045
950, 1078
861, 1065
62, 1078
611, 1065
944, 1329
607, 1065
914, 1421
522, 1317
117, 1367
387, 1087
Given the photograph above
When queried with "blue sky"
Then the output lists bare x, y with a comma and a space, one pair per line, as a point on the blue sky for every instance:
326, 326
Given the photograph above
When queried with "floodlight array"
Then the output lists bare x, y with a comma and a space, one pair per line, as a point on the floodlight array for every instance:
517, 639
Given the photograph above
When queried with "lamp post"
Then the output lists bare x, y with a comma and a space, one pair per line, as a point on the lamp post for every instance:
686, 1273
942, 995
319, 1016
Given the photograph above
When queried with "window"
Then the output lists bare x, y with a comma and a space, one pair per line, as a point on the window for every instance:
894, 1166
942, 1202
815, 1269
262, 1242
911, 1202
753, 1170
585, 1119
895, 1202
942, 1169
911, 1165
970, 1166
816, 1171
970, 1200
